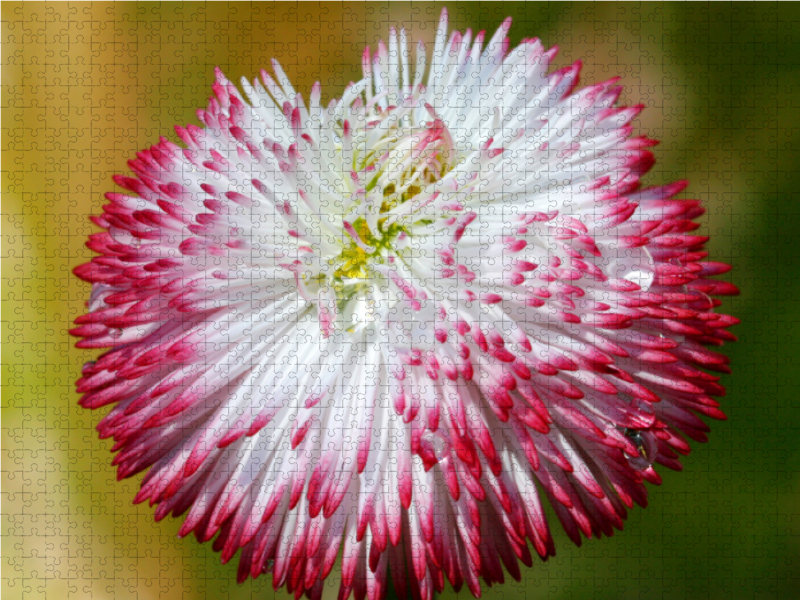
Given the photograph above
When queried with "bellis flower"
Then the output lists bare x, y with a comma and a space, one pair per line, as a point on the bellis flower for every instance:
388, 330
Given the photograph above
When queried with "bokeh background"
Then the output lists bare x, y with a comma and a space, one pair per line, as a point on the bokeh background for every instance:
84, 86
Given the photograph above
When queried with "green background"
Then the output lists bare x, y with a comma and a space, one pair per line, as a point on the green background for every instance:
86, 86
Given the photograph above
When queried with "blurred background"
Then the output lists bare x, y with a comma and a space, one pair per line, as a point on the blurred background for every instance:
85, 86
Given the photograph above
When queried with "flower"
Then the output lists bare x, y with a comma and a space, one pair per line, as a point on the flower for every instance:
392, 328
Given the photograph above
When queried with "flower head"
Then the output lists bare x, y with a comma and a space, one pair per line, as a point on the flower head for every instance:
393, 327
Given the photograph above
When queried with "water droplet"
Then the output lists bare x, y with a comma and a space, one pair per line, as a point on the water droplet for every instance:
645, 444
88, 366
441, 448
115, 333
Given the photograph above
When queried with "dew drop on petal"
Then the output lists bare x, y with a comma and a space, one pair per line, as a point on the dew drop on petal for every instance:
645, 443
641, 278
441, 448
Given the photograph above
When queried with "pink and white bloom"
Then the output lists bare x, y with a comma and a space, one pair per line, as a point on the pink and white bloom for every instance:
395, 326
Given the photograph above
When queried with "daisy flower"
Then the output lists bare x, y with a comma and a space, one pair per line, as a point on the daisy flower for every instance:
387, 331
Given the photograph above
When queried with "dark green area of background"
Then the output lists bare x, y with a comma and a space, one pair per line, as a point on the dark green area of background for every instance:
85, 86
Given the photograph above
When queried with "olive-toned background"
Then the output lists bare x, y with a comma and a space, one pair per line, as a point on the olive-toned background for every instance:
84, 86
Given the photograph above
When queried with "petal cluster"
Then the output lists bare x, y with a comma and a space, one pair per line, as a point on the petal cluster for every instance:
388, 330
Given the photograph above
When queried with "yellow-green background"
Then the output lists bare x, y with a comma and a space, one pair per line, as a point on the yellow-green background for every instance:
86, 86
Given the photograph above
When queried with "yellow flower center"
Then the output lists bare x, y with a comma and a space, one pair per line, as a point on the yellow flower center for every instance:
402, 163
